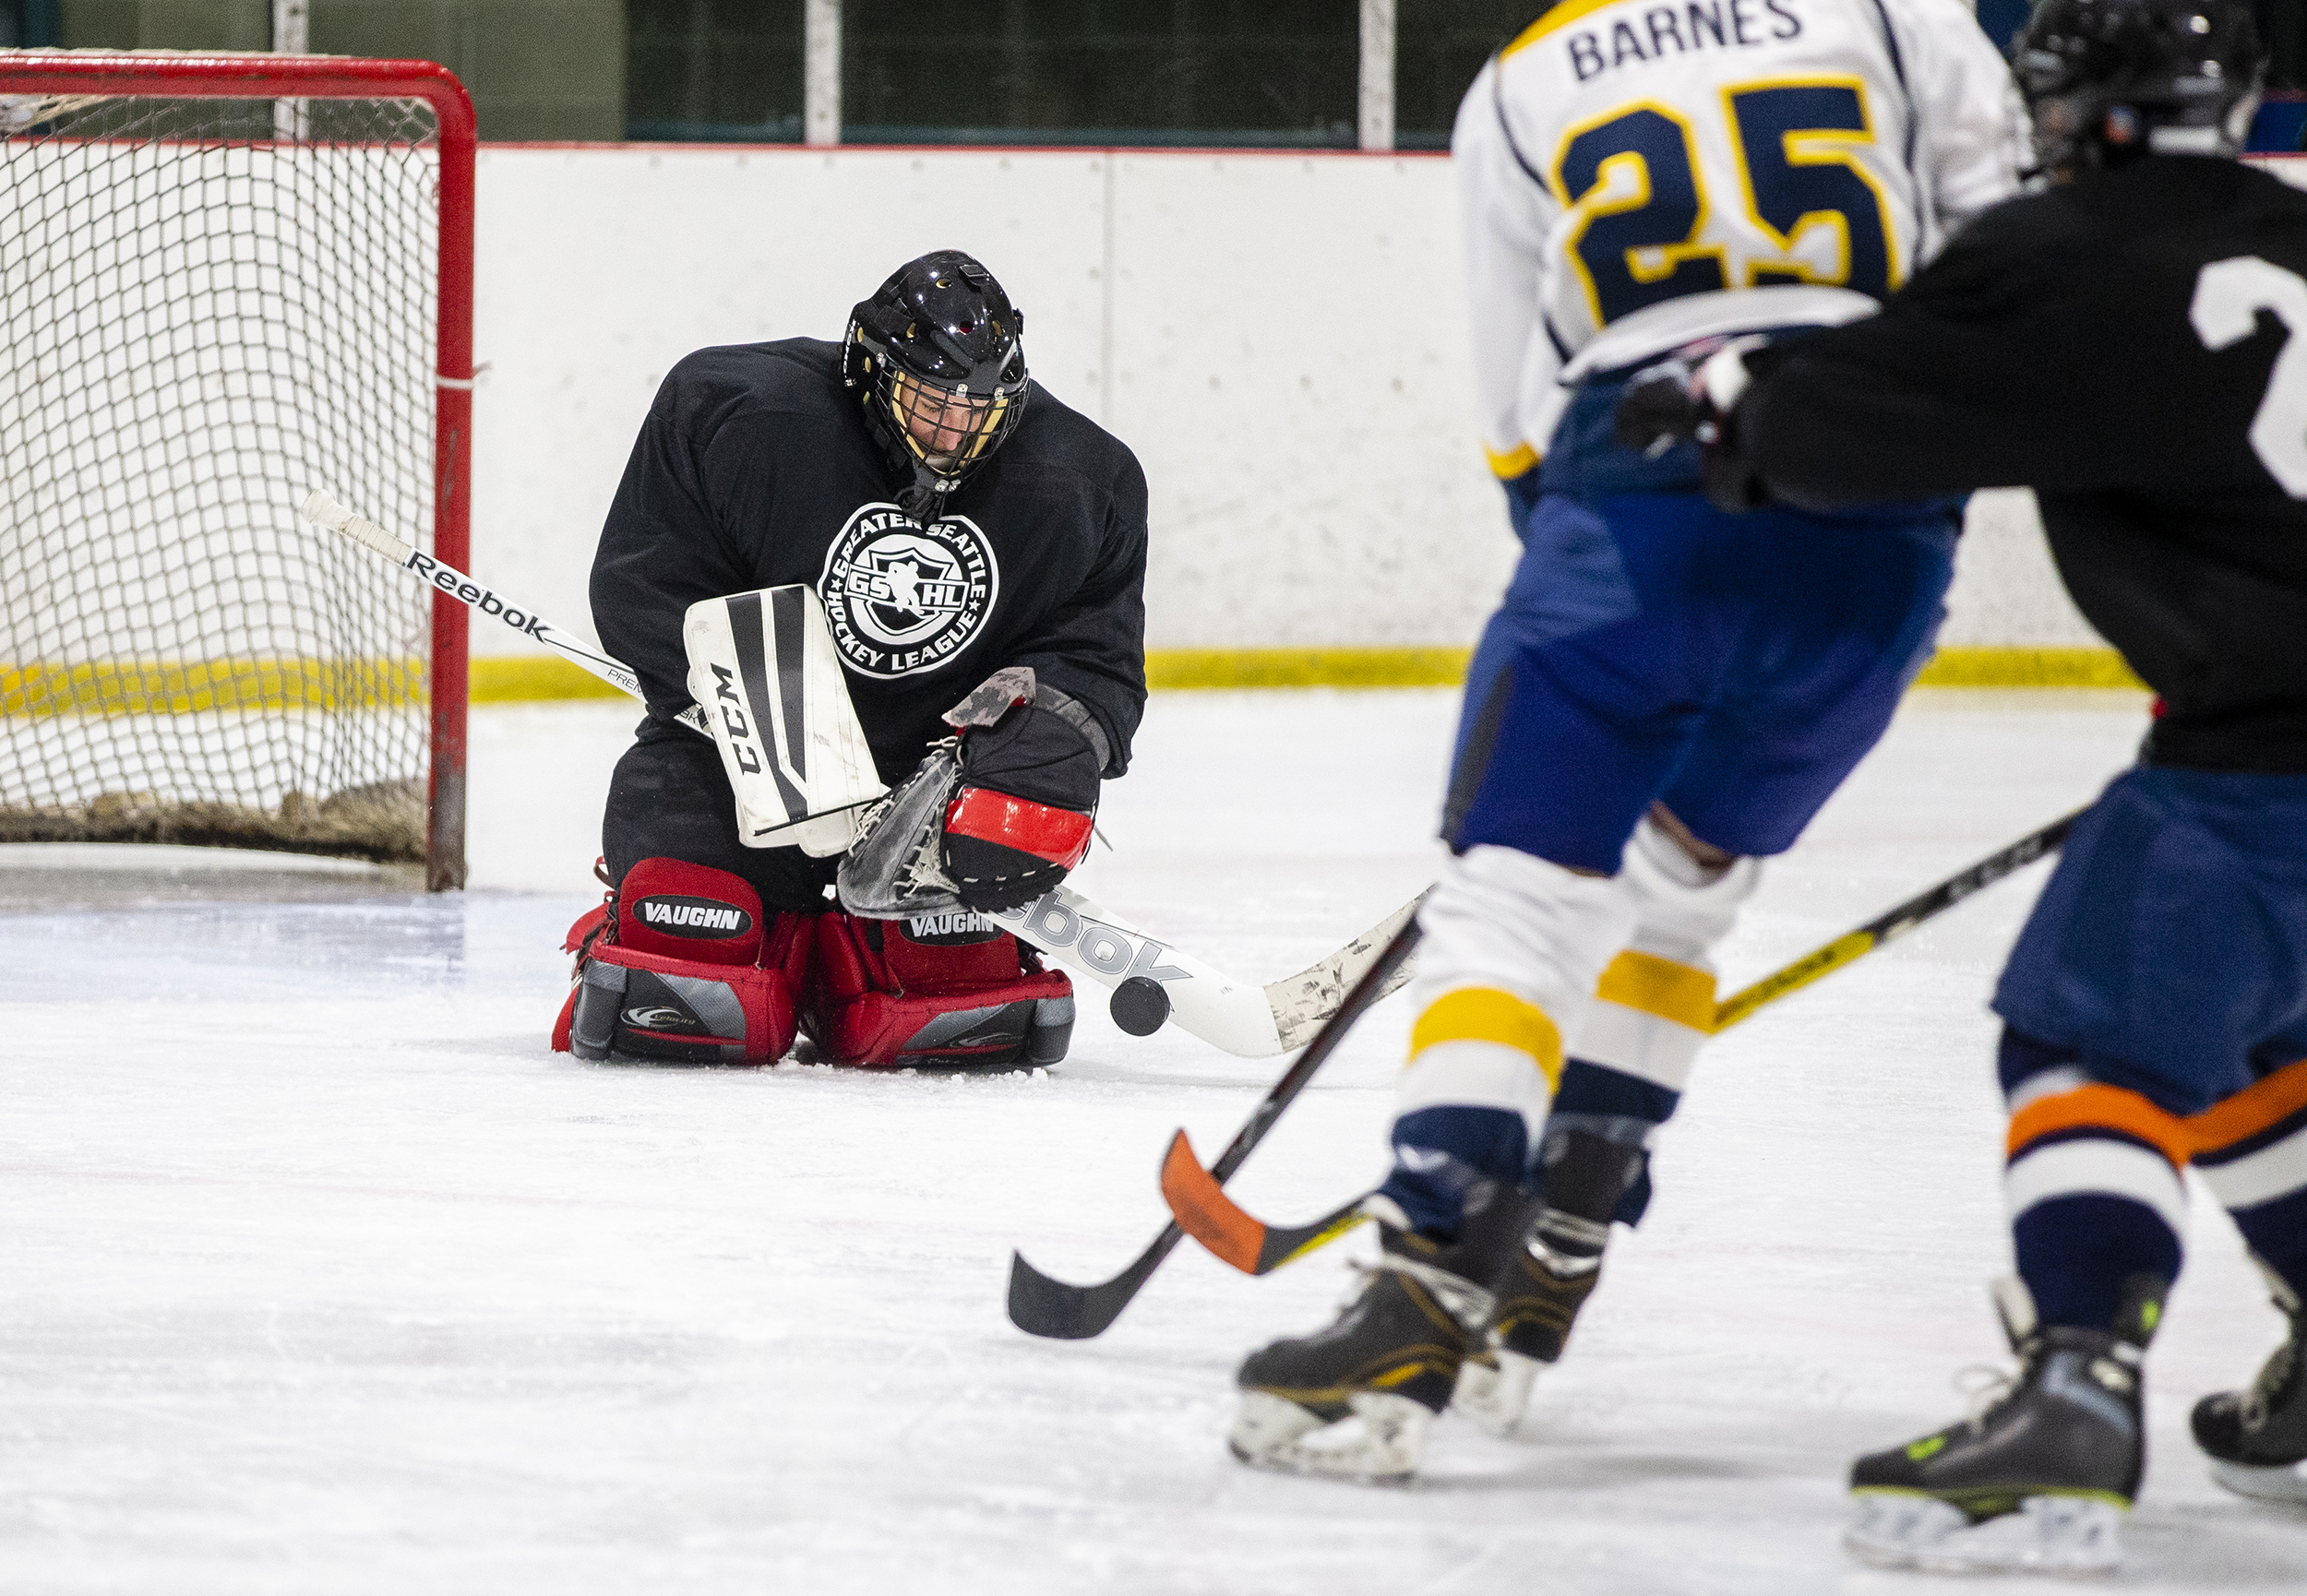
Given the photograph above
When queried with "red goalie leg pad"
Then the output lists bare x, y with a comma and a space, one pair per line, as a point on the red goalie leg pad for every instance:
683, 910
952, 990
586, 927
631, 1006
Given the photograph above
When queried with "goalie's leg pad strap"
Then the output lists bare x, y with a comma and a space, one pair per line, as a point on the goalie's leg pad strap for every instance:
937, 989
633, 1006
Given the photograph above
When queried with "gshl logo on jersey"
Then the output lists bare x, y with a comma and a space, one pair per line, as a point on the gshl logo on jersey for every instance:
902, 598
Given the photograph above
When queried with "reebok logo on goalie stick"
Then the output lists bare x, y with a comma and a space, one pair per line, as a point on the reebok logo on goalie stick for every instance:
472, 593
1048, 924
700, 917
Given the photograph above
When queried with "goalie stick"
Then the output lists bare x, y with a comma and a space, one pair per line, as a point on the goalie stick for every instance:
1151, 981
323, 511
1214, 1220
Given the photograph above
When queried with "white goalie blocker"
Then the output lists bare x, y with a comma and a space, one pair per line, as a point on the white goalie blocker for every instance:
763, 668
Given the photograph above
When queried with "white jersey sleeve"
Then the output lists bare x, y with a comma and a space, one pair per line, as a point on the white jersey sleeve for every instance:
1668, 168
1971, 122
1507, 215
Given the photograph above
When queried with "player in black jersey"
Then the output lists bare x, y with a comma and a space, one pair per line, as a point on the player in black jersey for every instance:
2131, 342
957, 521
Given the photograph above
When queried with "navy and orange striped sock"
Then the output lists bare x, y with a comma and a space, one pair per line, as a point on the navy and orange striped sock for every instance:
2093, 1183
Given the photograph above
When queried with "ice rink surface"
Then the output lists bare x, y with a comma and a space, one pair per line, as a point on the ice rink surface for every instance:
326, 1276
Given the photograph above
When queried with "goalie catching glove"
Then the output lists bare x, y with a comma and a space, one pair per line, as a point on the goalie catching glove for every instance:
991, 820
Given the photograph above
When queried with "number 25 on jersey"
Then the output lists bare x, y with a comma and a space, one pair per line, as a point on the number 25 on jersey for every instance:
1645, 227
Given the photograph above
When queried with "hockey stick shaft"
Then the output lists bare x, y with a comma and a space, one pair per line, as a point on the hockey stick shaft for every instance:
1042, 1306
323, 511
1256, 1248
1892, 922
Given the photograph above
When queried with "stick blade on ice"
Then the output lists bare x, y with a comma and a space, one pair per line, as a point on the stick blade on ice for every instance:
1058, 1312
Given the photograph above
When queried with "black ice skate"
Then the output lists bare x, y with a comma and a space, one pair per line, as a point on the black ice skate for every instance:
2257, 1439
1355, 1400
1547, 1278
2039, 1480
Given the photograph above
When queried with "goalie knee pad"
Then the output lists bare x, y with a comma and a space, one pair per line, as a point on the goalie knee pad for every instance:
681, 970
947, 989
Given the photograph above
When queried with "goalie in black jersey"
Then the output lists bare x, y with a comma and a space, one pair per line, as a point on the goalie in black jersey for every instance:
893, 559
2131, 342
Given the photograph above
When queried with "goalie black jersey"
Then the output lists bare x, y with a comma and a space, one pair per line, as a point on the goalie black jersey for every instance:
2133, 346
755, 469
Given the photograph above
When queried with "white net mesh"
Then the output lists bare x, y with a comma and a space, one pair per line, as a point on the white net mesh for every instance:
207, 309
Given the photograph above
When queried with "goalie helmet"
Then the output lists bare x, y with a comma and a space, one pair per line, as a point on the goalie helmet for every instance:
936, 356
2109, 80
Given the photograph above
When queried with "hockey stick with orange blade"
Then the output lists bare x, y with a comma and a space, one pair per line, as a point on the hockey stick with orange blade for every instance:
1251, 1245
1042, 1306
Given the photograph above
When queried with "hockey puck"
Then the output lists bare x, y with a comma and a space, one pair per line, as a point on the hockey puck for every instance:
1140, 1005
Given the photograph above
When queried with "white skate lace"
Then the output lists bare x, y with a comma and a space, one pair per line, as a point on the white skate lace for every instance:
1983, 1387
1461, 1298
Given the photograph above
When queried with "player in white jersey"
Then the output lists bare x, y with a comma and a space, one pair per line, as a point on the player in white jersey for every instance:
1629, 166
1667, 693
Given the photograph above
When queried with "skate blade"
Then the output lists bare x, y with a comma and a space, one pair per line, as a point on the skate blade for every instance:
2047, 1535
2263, 1483
1492, 1395
1382, 1442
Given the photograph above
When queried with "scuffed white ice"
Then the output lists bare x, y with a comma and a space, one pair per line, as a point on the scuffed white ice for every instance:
326, 1276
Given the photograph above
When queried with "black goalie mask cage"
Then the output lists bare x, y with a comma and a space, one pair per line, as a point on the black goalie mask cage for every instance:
939, 357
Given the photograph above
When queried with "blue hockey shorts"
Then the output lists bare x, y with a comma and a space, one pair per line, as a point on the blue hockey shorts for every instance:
2170, 948
1654, 649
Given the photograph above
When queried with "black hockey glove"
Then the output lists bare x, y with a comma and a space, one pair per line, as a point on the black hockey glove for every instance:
1692, 396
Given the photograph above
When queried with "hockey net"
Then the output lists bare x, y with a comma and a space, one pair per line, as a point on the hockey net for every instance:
225, 282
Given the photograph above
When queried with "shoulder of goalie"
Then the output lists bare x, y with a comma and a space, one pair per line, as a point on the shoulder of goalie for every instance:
679, 968
992, 820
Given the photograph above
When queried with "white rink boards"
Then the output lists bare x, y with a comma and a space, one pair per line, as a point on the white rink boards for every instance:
1282, 339
327, 1275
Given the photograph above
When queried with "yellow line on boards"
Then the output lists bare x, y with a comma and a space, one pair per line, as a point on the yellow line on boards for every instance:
2027, 668
531, 678
167, 686
199, 687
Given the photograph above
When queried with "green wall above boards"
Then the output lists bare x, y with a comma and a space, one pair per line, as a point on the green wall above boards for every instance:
535, 68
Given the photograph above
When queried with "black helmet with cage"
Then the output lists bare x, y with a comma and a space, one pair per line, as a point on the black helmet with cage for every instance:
938, 357
2109, 80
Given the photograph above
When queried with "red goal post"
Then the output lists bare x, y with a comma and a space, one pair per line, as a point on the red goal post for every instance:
213, 284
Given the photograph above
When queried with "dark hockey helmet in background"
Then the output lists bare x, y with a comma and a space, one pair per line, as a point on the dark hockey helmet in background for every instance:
2107, 79
937, 344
